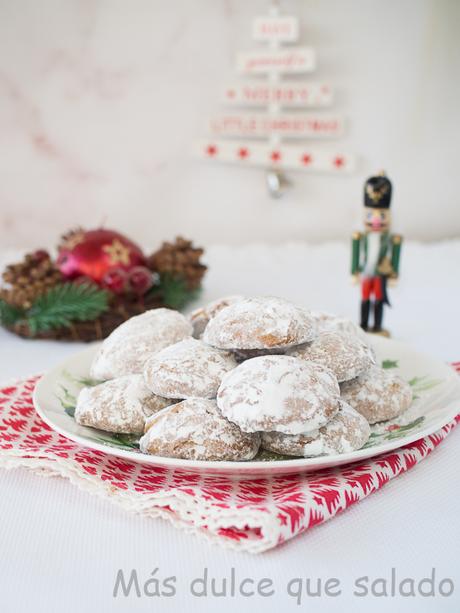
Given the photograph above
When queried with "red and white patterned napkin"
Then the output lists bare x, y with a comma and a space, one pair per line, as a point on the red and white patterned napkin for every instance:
246, 514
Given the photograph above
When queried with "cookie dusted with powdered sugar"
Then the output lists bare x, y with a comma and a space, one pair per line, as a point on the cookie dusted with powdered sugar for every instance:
125, 351
279, 393
260, 323
119, 405
346, 432
326, 322
199, 318
378, 395
195, 430
345, 354
186, 369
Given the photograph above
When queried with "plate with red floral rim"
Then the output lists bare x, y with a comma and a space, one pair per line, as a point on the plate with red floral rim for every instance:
435, 385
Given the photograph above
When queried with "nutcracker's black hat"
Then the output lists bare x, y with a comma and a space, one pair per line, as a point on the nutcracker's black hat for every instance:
377, 192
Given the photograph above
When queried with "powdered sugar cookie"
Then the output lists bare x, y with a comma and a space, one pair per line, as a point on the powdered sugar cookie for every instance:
195, 430
201, 317
118, 405
345, 432
278, 393
378, 394
326, 322
127, 348
345, 354
260, 323
186, 369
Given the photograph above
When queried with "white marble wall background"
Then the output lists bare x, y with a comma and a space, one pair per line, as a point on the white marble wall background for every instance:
101, 99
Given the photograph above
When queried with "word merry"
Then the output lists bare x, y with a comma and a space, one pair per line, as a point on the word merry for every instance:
311, 94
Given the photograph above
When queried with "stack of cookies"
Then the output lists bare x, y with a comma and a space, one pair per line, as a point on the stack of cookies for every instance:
238, 375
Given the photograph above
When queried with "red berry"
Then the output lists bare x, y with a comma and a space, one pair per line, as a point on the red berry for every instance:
115, 280
140, 279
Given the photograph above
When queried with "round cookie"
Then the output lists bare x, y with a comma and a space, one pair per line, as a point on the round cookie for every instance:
345, 354
187, 369
346, 432
260, 323
279, 393
378, 394
195, 430
127, 348
199, 318
327, 322
119, 405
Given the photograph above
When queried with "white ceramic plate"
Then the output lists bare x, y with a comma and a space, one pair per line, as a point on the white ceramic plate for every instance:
436, 401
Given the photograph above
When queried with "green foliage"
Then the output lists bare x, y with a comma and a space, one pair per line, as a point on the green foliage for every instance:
123, 441
63, 304
390, 364
9, 314
174, 291
389, 435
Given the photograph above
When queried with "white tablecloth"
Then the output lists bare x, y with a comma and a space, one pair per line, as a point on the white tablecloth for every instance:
61, 549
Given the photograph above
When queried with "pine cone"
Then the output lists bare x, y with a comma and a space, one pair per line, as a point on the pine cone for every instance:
27, 280
180, 260
71, 238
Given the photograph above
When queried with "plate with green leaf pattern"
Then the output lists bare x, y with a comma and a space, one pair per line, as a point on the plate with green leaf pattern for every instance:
435, 385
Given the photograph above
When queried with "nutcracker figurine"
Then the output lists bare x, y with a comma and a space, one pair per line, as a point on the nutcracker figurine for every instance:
375, 252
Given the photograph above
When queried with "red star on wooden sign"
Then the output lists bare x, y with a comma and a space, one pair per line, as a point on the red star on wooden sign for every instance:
306, 159
339, 162
243, 153
211, 150
275, 156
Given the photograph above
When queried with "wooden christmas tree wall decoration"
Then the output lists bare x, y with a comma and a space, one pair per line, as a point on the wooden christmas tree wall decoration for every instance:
283, 108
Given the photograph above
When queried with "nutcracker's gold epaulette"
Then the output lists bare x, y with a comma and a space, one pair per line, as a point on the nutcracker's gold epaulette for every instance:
356, 235
396, 239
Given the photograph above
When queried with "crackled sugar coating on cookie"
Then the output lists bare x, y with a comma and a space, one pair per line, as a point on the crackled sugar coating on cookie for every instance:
379, 395
127, 348
186, 369
260, 323
279, 393
119, 405
199, 318
345, 354
346, 432
327, 322
195, 430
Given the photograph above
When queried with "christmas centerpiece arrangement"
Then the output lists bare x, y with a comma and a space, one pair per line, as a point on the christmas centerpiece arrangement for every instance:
99, 279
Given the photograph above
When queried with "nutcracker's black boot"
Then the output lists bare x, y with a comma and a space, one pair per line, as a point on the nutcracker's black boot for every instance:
365, 308
378, 315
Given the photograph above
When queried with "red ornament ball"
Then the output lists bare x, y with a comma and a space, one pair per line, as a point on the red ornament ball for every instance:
95, 253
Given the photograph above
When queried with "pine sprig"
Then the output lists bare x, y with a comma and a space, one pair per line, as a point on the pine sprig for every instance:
174, 291
9, 314
63, 304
